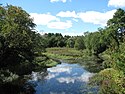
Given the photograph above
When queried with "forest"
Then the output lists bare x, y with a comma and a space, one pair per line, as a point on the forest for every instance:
22, 48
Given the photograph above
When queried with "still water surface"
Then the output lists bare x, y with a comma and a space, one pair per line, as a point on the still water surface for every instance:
62, 79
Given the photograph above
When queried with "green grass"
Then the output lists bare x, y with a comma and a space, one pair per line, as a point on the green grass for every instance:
51, 63
45, 61
69, 53
63, 53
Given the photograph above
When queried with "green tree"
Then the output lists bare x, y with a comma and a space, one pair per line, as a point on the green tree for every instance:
55, 40
19, 42
116, 27
70, 42
79, 43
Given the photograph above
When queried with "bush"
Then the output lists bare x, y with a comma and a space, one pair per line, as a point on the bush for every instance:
110, 81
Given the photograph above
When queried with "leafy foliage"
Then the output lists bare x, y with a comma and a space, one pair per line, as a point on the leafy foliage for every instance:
19, 42
79, 43
110, 81
55, 40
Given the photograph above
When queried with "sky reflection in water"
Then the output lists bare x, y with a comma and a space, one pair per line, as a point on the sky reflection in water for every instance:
62, 79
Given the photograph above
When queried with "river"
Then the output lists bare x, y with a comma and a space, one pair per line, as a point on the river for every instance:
65, 78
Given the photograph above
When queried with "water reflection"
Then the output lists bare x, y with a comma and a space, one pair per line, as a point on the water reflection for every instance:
62, 79
61, 68
93, 66
39, 76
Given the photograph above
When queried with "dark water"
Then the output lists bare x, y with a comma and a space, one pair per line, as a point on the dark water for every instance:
63, 79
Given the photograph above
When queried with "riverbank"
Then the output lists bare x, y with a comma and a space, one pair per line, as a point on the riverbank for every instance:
69, 54
44, 61
63, 53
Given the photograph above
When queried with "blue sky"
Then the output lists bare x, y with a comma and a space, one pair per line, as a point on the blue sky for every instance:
69, 17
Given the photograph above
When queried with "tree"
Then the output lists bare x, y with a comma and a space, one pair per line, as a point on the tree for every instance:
70, 42
79, 43
17, 36
116, 26
55, 40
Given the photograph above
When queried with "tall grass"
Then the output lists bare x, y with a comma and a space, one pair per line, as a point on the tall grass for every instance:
63, 53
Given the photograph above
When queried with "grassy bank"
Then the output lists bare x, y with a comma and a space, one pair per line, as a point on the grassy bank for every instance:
69, 53
63, 53
45, 61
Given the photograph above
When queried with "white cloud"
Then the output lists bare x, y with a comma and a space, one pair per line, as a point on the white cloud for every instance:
96, 17
43, 19
116, 3
53, 22
64, 1
60, 25
89, 16
67, 14
50, 21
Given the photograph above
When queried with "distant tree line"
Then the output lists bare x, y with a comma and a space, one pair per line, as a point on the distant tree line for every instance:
57, 40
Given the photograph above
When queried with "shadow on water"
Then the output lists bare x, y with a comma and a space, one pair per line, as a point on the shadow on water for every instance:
93, 66
17, 88
21, 85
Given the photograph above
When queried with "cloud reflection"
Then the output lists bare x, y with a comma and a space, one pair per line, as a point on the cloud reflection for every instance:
35, 76
66, 80
57, 93
50, 76
60, 69
83, 78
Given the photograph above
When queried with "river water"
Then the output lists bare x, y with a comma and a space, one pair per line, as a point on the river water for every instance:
64, 78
